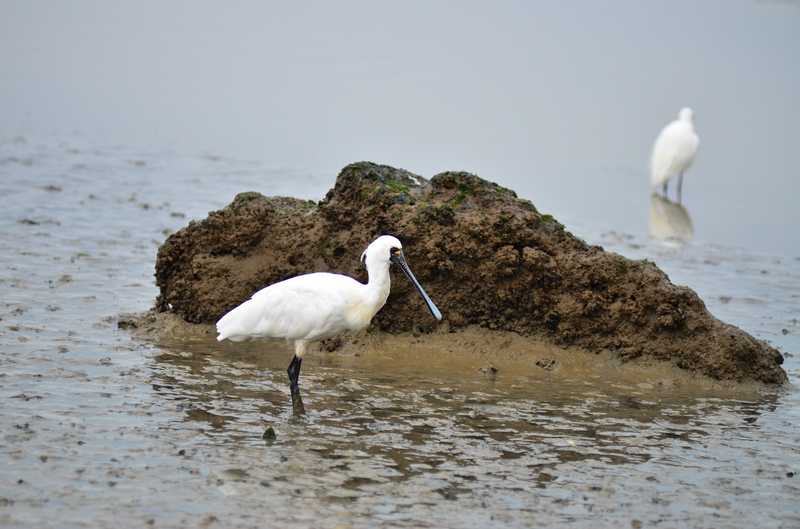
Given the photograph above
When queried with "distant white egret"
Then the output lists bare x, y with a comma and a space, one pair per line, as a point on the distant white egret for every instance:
317, 306
674, 151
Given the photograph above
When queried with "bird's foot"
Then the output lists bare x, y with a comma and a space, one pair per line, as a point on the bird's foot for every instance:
297, 404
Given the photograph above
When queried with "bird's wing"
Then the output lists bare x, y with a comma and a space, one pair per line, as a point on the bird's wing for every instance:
309, 307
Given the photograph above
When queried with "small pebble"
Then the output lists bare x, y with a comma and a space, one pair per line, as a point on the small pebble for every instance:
488, 369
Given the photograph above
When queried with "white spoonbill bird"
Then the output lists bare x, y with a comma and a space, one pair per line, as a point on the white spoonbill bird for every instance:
674, 151
317, 306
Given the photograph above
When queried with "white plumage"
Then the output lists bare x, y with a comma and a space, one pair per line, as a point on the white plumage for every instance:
309, 307
674, 151
317, 306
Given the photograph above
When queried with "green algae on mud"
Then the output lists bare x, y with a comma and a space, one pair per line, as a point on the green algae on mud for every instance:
486, 257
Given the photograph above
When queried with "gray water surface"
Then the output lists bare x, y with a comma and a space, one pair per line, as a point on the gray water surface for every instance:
103, 429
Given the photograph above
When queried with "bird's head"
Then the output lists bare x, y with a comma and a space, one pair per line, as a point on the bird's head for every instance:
388, 249
382, 249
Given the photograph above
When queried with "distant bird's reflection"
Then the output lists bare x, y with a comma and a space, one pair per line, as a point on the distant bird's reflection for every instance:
669, 221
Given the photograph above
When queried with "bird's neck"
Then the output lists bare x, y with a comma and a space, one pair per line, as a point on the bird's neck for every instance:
379, 284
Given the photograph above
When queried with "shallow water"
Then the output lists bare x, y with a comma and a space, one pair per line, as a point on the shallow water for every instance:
99, 427
117, 128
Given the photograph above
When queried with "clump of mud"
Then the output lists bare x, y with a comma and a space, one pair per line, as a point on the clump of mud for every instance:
486, 257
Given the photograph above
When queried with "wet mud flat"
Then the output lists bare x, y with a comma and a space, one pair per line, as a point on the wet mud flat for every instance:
405, 431
565, 384
103, 427
397, 433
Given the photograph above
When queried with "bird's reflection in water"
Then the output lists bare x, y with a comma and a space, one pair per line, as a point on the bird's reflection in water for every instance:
669, 221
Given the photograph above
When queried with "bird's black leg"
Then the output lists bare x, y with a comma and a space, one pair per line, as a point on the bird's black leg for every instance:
294, 375
664, 189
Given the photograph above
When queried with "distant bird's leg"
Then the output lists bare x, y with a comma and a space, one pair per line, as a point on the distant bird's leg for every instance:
664, 189
680, 183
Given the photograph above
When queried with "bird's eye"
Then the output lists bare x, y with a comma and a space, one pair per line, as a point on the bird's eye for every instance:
395, 251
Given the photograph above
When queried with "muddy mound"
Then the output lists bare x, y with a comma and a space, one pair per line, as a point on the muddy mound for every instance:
485, 257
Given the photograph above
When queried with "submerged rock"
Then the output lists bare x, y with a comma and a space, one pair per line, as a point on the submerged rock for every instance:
485, 257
